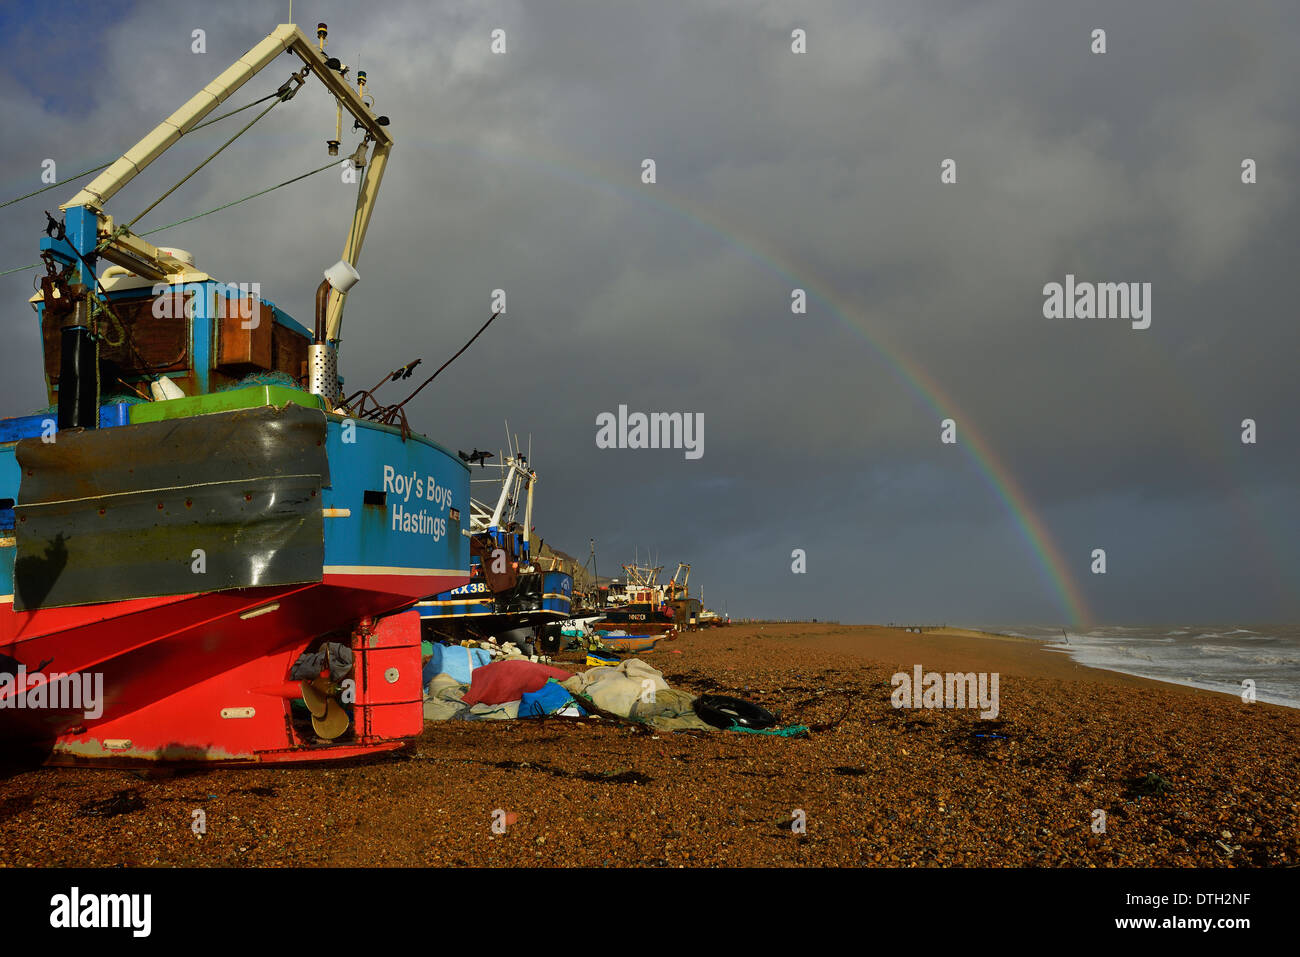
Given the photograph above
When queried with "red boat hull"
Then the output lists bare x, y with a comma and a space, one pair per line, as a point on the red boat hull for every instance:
204, 678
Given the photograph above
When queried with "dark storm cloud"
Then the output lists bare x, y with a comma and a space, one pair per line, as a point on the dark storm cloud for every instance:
819, 171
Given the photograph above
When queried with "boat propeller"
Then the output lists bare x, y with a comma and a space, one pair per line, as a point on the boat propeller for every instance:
329, 719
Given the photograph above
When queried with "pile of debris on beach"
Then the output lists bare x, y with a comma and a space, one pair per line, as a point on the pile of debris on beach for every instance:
491, 681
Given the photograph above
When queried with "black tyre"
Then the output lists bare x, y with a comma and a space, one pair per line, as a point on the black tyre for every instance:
723, 712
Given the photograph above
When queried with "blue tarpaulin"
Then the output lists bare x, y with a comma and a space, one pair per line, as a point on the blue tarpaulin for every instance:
548, 699
456, 661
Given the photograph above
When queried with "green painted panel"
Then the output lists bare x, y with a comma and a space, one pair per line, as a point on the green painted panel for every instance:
228, 401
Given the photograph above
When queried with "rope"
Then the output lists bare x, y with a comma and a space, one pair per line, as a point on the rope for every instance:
125, 333
793, 731
113, 322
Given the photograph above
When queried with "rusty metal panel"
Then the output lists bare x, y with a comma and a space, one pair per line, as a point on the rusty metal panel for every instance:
288, 351
482, 547
262, 441
244, 343
228, 500
161, 342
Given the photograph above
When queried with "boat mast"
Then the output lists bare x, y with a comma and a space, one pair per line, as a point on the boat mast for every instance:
528, 509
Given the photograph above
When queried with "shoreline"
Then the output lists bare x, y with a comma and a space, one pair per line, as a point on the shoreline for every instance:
1036, 657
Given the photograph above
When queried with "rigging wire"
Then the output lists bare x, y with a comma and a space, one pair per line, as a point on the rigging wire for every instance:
148, 209
61, 182
238, 109
96, 169
280, 94
209, 212
18, 269
244, 199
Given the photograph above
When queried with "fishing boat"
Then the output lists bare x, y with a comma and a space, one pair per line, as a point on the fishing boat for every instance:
685, 609
182, 551
641, 603
630, 643
508, 597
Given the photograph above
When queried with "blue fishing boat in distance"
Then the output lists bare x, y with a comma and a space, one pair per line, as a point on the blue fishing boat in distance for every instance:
509, 596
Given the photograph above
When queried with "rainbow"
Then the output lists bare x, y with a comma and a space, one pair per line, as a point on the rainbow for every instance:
1032, 529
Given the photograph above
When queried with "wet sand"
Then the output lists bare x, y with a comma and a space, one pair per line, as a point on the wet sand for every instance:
1185, 777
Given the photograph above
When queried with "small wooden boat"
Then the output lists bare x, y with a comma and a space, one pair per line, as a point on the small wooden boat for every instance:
622, 643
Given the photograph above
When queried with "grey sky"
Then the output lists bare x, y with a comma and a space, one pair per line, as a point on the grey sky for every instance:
776, 171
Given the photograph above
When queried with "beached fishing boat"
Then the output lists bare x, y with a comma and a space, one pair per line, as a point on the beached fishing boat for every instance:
508, 596
641, 603
630, 643
182, 553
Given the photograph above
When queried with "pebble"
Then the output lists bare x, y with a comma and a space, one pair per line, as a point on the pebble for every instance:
724, 799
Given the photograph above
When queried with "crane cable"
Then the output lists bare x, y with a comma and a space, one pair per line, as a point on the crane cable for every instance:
216, 209
284, 93
281, 94
96, 169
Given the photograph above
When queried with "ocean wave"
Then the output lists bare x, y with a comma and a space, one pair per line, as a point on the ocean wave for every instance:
1211, 659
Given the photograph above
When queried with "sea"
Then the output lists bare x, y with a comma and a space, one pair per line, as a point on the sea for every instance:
1217, 658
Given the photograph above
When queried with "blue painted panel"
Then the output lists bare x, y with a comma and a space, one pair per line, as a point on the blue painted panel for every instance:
401, 527
80, 227
557, 584
25, 426
32, 426
110, 416
202, 333
472, 598
440, 612
9, 478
